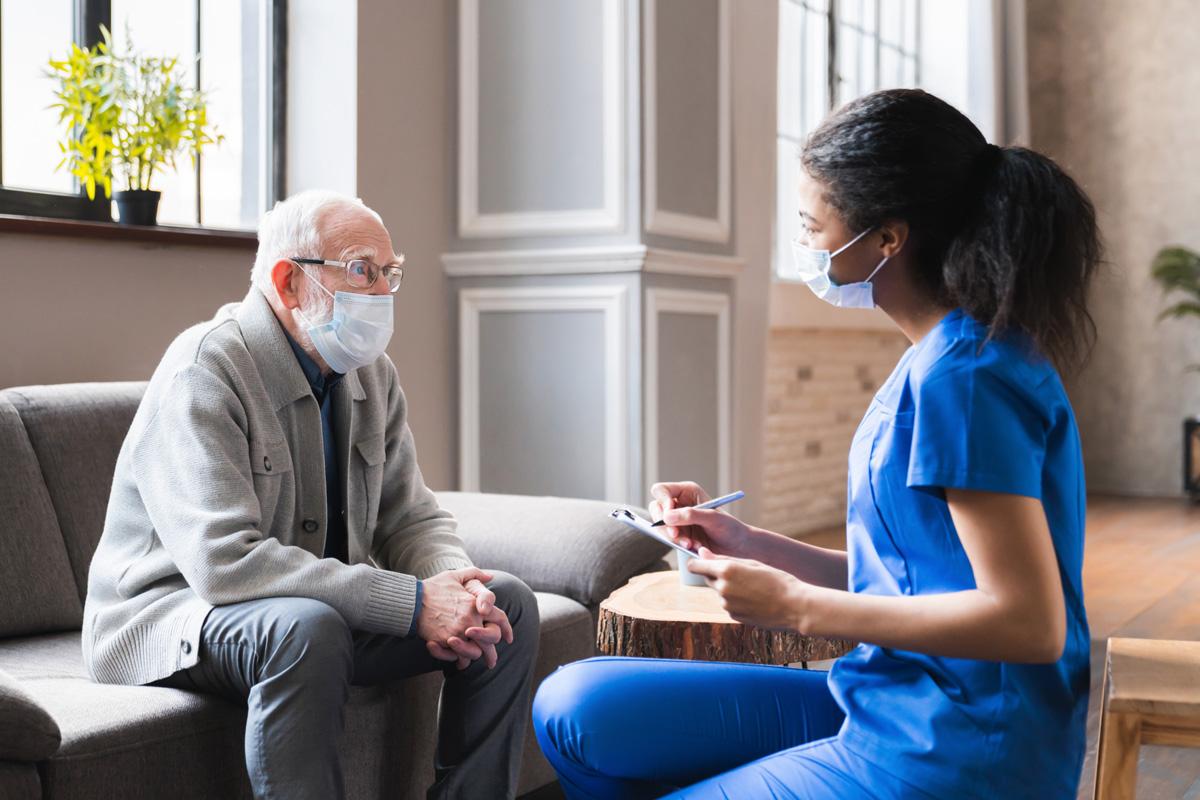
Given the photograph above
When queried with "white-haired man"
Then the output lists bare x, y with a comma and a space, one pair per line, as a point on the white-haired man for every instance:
269, 464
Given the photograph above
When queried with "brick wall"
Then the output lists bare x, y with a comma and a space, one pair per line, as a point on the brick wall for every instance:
819, 383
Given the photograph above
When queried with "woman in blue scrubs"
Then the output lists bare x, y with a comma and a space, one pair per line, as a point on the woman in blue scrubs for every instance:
966, 510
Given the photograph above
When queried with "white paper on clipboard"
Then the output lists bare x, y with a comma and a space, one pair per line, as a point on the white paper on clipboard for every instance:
643, 525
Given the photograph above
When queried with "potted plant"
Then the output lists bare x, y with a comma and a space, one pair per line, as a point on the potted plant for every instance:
128, 116
1177, 269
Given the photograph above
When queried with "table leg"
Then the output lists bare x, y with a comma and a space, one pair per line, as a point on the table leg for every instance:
1117, 756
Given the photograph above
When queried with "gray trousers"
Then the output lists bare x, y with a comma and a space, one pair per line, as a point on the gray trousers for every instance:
291, 660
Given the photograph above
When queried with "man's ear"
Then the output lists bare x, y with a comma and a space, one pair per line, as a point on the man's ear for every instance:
285, 278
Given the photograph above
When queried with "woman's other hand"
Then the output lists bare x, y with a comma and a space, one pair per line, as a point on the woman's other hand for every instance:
752, 592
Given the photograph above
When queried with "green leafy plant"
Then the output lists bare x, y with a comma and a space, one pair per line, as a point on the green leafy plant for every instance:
127, 115
1177, 269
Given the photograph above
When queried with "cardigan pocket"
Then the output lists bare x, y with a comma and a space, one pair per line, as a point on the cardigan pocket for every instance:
372, 451
270, 462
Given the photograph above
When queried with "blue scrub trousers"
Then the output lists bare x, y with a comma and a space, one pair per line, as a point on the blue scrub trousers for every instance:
647, 727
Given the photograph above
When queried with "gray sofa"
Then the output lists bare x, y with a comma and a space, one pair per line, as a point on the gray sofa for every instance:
63, 736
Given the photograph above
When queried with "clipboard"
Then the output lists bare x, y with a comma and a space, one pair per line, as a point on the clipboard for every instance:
642, 525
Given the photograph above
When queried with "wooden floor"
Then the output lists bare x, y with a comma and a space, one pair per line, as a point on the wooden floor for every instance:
1141, 578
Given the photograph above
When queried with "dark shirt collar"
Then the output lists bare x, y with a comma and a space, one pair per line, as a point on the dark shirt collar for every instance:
321, 385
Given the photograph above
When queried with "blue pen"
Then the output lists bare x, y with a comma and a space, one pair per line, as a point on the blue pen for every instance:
716, 502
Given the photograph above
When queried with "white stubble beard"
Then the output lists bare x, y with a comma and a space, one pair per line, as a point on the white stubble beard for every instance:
316, 308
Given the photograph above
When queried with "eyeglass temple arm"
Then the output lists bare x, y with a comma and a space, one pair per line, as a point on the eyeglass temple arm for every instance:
322, 262
328, 263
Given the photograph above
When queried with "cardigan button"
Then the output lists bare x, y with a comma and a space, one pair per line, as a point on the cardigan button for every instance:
186, 647
310, 526
267, 463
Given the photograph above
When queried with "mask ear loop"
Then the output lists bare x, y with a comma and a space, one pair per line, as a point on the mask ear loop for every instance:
316, 280
881, 263
303, 316
849, 243
878, 267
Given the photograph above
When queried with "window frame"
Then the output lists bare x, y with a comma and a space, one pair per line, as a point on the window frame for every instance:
88, 16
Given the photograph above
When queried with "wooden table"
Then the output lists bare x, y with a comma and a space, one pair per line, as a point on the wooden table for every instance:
657, 617
1151, 695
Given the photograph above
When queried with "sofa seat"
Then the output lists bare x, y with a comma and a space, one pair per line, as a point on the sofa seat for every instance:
119, 736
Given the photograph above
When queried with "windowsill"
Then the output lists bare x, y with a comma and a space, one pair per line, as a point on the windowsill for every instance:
170, 234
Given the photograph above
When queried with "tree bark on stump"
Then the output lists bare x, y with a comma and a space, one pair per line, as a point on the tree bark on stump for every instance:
655, 616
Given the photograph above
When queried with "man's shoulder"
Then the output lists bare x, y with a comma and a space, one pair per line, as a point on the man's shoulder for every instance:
379, 379
214, 348
206, 343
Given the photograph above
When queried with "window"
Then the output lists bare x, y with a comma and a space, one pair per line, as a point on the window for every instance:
233, 49
830, 52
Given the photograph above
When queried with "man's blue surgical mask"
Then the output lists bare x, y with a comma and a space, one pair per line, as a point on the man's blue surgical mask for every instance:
358, 332
812, 267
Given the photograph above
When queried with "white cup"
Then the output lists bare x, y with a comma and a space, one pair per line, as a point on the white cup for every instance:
687, 577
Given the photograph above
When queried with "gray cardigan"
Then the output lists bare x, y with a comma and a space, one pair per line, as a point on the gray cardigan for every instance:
219, 497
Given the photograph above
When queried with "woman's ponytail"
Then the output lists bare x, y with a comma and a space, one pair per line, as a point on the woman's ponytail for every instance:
1026, 252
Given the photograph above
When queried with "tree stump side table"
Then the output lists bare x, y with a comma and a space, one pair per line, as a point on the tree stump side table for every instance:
654, 616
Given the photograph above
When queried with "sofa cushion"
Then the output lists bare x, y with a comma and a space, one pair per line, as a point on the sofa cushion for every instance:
568, 634
18, 779
39, 590
565, 546
151, 742
27, 731
77, 431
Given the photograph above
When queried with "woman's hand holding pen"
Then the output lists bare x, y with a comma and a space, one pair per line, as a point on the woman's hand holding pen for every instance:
691, 527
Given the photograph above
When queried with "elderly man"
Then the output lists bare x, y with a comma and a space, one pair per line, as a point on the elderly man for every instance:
270, 539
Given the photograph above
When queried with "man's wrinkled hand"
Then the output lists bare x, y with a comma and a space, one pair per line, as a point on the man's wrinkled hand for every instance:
449, 609
496, 625
489, 624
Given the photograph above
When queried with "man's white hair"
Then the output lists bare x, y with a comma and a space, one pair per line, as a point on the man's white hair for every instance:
293, 229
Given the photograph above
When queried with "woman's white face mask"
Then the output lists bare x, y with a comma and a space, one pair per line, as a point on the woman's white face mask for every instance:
354, 333
812, 267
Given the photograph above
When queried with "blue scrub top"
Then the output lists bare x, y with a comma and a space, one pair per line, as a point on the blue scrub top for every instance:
958, 412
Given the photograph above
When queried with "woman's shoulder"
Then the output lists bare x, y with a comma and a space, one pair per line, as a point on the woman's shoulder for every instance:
960, 349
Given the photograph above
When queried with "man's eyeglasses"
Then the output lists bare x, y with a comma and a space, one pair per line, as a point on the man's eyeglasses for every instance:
361, 273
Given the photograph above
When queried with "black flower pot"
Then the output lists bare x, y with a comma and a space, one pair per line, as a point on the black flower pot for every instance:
1191, 457
137, 206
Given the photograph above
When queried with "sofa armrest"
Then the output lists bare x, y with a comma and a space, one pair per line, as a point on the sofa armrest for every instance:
554, 544
27, 731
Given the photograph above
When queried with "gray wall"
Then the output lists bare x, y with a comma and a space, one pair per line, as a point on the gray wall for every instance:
98, 310
405, 146
540, 106
555, 163
543, 372
753, 52
1114, 99
542, 428
686, 148
687, 399
686, 77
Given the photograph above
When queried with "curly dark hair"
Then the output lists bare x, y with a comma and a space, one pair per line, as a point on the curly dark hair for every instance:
1003, 233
